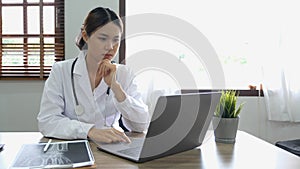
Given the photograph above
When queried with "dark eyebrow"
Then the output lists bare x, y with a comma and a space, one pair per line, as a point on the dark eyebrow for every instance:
102, 34
105, 35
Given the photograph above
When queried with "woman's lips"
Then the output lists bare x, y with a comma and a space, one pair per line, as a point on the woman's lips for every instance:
108, 56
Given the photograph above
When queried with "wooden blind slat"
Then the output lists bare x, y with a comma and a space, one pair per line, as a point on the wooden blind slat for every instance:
15, 57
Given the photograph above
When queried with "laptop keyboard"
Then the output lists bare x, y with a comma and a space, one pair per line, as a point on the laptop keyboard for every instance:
134, 151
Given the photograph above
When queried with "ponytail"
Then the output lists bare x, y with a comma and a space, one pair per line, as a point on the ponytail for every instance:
80, 43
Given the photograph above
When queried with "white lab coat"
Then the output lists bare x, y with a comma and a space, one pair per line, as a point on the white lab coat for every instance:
57, 117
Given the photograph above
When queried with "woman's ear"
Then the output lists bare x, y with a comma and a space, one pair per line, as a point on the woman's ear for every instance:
84, 35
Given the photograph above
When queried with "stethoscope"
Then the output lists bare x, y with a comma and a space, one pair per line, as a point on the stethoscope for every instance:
79, 108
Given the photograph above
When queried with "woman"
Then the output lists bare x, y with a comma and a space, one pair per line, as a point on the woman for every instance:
85, 97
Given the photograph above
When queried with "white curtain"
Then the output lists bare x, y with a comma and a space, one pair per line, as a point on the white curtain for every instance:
282, 93
281, 80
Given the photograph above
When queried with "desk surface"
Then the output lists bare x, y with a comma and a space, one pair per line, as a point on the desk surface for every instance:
247, 152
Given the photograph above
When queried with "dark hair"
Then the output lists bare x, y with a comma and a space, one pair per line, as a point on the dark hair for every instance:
97, 18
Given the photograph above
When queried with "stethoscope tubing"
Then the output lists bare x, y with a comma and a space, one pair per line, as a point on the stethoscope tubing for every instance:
78, 108
72, 81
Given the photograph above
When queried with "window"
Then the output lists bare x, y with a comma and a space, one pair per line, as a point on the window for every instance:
32, 37
244, 34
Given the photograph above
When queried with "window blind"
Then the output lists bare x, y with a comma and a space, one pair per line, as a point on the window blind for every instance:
32, 39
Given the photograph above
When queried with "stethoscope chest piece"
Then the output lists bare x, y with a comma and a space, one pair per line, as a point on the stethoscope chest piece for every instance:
79, 110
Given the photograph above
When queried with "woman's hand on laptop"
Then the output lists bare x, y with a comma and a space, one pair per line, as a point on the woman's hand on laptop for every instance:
110, 135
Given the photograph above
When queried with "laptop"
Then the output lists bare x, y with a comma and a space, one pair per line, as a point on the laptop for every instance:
179, 123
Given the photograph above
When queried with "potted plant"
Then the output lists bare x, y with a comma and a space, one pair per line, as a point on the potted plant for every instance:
226, 117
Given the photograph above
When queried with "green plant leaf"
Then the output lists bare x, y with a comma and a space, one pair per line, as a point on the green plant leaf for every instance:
239, 109
226, 108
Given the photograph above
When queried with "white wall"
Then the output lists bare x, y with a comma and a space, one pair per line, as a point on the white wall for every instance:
254, 120
19, 105
20, 100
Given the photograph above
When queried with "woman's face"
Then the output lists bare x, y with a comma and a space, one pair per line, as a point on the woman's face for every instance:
104, 42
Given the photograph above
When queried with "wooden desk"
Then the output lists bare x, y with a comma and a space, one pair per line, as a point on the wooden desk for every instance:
247, 152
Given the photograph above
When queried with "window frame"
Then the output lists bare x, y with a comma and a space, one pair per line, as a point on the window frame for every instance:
122, 49
41, 71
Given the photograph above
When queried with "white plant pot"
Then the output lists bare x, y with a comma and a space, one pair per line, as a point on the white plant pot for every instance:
225, 129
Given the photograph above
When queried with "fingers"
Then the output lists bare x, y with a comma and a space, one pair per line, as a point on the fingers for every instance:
112, 137
115, 135
122, 135
108, 136
105, 68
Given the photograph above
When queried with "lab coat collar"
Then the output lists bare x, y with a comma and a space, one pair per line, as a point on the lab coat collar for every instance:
80, 65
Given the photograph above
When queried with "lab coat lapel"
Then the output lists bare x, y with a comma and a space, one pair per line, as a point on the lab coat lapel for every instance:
81, 77
100, 89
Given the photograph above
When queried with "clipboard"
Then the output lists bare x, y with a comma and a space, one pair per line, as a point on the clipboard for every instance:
65, 154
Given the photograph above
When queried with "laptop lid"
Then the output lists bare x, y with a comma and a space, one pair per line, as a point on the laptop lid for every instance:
179, 123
